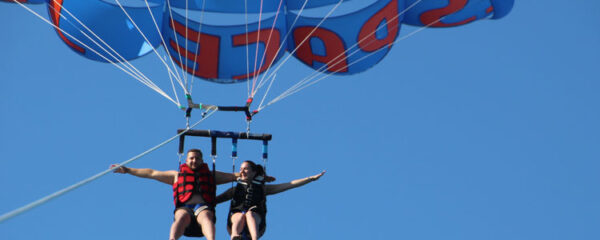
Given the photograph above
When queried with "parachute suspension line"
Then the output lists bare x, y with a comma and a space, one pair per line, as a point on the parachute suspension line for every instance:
192, 86
255, 77
281, 45
176, 42
273, 75
274, 72
300, 84
247, 47
61, 192
234, 155
306, 38
197, 43
265, 154
260, 12
126, 64
179, 156
366, 56
360, 59
144, 36
337, 58
94, 51
213, 155
173, 87
329, 74
266, 92
140, 76
262, 78
186, 36
162, 39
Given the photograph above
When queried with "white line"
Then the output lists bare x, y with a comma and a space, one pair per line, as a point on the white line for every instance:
158, 30
93, 50
145, 38
126, 64
63, 191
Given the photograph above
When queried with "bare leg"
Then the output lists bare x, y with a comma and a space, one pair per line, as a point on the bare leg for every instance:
253, 219
205, 219
237, 224
182, 220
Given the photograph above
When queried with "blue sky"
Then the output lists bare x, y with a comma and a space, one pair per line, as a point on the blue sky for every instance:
487, 131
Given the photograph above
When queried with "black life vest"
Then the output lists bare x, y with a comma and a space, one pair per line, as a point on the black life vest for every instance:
248, 195
191, 182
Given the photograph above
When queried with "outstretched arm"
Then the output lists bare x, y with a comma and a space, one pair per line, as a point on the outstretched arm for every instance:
167, 177
223, 177
225, 196
277, 188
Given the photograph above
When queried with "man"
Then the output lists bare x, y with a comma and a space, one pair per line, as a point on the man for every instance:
194, 194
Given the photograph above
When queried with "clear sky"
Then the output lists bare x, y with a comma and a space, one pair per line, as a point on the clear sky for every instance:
486, 131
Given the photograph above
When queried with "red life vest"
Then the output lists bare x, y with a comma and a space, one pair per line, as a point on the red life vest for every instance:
191, 182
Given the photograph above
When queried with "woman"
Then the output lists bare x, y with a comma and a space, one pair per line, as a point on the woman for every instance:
248, 200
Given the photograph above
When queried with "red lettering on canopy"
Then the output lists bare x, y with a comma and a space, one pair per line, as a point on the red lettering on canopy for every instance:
368, 41
269, 37
55, 9
454, 6
335, 52
206, 56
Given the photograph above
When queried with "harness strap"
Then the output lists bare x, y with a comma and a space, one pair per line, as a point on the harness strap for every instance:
213, 142
265, 154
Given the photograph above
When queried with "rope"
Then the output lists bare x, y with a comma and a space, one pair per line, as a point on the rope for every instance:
331, 73
165, 44
174, 37
304, 40
298, 88
267, 92
200, 24
90, 179
186, 38
233, 156
123, 61
255, 77
300, 83
304, 83
283, 43
173, 88
257, 39
96, 52
144, 36
247, 47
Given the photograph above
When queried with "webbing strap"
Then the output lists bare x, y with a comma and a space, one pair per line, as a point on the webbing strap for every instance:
213, 142
234, 142
265, 154
234, 147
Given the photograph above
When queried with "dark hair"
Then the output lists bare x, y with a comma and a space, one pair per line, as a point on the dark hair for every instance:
195, 150
258, 169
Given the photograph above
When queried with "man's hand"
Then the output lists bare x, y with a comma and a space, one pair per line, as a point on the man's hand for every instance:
120, 169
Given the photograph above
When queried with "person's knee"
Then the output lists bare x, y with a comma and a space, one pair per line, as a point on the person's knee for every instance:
205, 215
237, 216
182, 215
254, 217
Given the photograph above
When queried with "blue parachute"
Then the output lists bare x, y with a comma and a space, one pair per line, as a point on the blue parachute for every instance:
342, 43
26, 1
